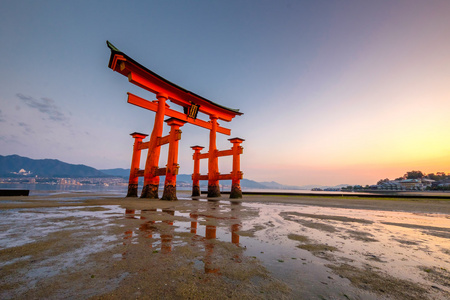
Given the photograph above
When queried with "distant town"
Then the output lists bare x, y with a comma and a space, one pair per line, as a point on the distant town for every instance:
410, 181
15, 169
100, 181
87, 181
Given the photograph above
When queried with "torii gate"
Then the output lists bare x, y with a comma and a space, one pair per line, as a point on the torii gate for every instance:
192, 104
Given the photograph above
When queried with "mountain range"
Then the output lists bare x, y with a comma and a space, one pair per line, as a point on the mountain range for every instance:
18, 166
15, 165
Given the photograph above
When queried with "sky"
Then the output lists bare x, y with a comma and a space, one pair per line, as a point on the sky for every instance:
333, 92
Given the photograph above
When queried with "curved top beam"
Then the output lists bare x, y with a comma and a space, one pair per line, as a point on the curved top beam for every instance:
149, 80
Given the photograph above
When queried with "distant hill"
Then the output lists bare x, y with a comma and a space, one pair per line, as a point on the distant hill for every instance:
323, 187
245, 183
15, 165
118, 172
276, 185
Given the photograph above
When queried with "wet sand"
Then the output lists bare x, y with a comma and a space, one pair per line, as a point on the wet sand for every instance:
84, 245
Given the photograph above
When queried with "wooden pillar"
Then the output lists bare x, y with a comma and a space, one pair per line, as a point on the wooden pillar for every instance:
213, 161
135, 161
151, 179
236, 173
170, 184
196, 174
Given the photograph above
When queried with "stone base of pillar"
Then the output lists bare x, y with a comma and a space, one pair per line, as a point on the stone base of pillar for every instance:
195, 191
236, 191
170, 193
132, 190
213, 191
150, 191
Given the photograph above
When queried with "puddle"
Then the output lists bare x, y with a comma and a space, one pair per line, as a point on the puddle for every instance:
22, 226
246, 250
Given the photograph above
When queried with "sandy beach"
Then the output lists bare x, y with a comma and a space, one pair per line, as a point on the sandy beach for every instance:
81, 245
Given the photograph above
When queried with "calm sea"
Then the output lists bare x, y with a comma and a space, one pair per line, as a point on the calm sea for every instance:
49, 189
39, 189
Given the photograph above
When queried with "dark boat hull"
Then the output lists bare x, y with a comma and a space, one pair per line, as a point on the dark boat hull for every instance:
14, 192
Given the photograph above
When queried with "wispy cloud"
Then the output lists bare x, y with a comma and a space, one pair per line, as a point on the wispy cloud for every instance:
46, 106
2, 117
26, 127
7, 140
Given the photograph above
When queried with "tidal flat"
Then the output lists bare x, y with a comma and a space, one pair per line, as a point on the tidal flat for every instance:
93, 246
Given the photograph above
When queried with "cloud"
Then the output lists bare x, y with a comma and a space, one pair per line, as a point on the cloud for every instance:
6, 141
26, 126
46, 106
2, 118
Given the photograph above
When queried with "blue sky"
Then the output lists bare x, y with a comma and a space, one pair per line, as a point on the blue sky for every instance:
332, 91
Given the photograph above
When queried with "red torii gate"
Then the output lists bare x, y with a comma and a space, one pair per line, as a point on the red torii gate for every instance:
192, 104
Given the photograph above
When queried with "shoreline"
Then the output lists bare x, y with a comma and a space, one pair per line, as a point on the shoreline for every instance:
416, 204
368, 194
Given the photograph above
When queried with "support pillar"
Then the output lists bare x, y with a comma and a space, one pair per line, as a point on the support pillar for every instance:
213, 161
236, 173
151, 179
135, 162
170, 184
196, 174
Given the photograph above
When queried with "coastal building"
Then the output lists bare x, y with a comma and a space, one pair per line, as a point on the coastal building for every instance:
441, 184
391, 186
411, 184
406, 185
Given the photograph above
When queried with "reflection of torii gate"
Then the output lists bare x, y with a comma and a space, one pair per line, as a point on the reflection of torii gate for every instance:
192, 104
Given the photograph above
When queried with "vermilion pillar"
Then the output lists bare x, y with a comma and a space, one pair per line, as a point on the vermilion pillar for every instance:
170, 184
236, 174
135, 161
213, 162
151, 179
196, 174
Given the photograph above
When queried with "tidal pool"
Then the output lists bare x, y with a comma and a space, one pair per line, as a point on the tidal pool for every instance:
116, 248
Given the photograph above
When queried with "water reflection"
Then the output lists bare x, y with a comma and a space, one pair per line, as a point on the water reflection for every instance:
211, 237
168, 228
315, 250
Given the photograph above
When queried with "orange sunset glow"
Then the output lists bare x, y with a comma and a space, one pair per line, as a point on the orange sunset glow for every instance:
345, 93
